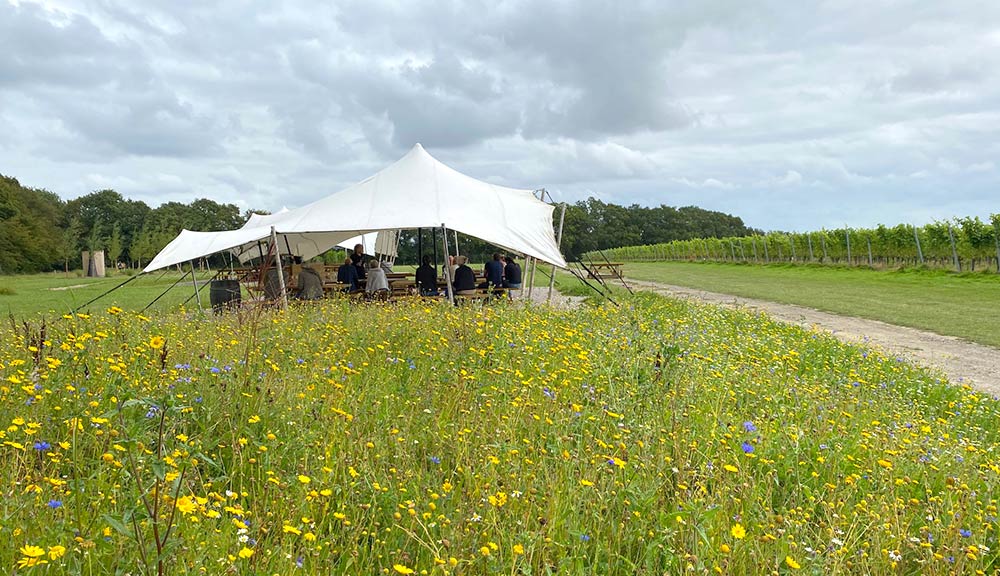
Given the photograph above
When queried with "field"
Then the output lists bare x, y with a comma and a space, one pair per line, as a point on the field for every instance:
660, 437
58, 293
963, 305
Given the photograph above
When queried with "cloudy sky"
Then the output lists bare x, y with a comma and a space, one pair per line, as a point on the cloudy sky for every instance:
791, 115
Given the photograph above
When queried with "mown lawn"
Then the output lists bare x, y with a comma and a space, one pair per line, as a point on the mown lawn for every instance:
659, 437
54, 294
967, 306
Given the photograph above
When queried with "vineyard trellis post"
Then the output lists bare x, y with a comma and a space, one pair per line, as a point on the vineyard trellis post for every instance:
996, 240
754, 241
847, 234
732, 249
869, 240
809, 239
767, 258
791, 242
920, 252
954, 252
822, 240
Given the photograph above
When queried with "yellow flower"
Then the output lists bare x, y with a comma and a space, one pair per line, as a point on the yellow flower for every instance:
253, 419
245, 552
738, 531
731, 468
792, 563
186, 505
485, 550
586, 483
885, 463
288, 529
157, 342
304, 479
518, 549
56, 552
402, 569
32, 551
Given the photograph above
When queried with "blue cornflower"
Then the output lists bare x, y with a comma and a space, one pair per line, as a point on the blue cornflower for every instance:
435, 459
215, 369
55, 504
549, 393
747, 448
965, 532
42, 446
749, 427
584, 538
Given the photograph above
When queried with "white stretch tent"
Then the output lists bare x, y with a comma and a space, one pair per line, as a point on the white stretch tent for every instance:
381, 242
417, 191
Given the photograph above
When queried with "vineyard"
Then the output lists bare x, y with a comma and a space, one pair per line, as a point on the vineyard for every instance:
963, 244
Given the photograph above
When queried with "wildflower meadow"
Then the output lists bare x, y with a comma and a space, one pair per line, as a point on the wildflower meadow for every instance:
659, 437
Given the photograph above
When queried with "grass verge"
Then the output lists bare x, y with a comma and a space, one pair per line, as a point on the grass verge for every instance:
963, 305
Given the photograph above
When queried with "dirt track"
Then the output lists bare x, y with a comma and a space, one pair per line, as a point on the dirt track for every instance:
959, 360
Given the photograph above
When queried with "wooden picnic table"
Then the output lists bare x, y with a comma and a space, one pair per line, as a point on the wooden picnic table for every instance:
606, 270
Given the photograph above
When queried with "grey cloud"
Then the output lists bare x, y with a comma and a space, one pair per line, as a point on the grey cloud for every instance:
783, 113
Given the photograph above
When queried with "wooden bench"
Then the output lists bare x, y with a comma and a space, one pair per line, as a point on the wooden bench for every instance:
483, 295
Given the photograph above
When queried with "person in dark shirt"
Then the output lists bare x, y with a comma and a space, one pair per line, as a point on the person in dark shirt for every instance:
427, 278
465, 278
309, 285
493, 271
348, 274
512, 273
360, 260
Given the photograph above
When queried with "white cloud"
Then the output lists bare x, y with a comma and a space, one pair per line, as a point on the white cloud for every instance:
789, 115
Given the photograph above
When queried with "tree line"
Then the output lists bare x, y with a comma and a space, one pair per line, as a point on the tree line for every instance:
39, 231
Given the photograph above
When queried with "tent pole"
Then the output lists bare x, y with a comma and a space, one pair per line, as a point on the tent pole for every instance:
456, 242
552, 279
194, 282
434, 243
281, 272
420, 246
530, 269
447, 268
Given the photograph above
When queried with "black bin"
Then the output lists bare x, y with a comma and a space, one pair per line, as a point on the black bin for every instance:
225, 294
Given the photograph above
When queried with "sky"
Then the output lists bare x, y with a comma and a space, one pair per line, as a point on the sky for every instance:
791, 115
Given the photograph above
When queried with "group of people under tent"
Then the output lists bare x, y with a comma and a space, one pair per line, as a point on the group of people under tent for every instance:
502, 271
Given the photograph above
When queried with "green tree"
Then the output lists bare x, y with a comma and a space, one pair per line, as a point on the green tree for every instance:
114, 244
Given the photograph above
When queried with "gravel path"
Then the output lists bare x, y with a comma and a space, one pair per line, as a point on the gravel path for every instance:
959, 360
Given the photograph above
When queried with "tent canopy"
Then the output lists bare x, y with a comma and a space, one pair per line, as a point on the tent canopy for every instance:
417, 191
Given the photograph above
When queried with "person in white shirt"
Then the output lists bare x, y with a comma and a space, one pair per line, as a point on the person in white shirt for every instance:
376, 278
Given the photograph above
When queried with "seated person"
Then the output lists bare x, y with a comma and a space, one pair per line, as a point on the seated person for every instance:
273, 283
360, 259
347, 273
310, 285
376, 278
464, 281
427, 278
493, 271
512, 274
